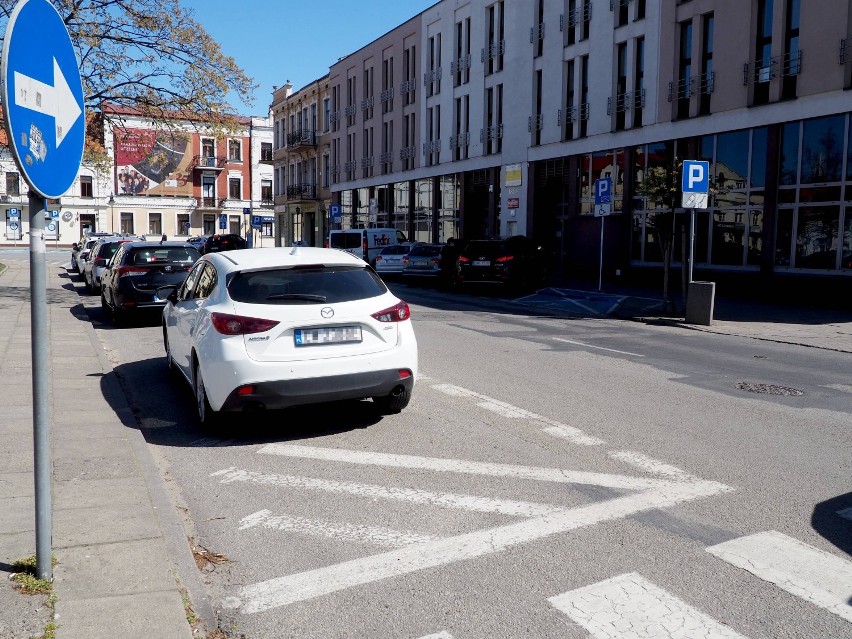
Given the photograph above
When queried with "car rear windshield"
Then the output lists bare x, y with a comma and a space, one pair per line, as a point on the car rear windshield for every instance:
163, 255
108, 249
345, 240
485, 249
306, 285
396, 249
428, 250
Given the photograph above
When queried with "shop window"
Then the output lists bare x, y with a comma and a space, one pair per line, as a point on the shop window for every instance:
208, 224
816, 237
728, 237
183, 226
822, 149
759, 144
155, 224
790, 154
783, 237
127, 223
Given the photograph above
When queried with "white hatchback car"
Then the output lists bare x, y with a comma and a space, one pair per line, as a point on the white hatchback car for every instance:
270, 328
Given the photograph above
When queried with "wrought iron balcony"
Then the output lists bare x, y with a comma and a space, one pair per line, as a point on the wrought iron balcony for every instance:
406, 86
209, 162
208, 203
407, 152
303, 191
683, 89
302, 137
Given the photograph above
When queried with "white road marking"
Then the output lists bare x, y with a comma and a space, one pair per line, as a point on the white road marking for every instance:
435, 464
601, 348
378, 535
649, 464
631, 607
282, 591
574, 435
845, 388
846, 513
802, 570
439, 635
372, 491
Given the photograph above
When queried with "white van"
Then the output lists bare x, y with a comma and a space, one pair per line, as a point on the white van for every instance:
365, 243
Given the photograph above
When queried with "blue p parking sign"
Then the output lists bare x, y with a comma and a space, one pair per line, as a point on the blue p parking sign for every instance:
695, 184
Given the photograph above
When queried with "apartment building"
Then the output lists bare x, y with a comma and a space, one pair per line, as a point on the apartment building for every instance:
483, 117
302, 124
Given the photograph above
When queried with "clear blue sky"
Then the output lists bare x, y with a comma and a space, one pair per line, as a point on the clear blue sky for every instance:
297, 40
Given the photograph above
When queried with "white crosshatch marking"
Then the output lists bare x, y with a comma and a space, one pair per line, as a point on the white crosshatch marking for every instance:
645, 494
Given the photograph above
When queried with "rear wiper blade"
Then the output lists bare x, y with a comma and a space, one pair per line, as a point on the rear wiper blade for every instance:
304, 297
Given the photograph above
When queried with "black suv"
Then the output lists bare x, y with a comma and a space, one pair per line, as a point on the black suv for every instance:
131, 279
513, 262
225, 242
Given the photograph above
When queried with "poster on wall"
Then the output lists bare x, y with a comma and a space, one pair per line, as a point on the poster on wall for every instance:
151, 162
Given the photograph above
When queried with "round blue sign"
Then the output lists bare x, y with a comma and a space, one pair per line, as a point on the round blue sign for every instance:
43, 104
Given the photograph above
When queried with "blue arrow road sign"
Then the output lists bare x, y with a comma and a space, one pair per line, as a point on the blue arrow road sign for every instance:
696, 176
42, 98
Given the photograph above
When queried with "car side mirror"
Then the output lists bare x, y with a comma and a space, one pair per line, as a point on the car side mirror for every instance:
168, 293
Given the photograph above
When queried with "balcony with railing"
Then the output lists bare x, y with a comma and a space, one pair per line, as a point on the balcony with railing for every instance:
302, 137
367, 103
386, 95
460, 64
434, 75
493, 50
491, 133
209, 162
209, 203
303, 191
407, 86
407, 152
460, 140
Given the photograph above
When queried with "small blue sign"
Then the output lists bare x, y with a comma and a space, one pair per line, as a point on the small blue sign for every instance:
42, 98
246, 211
223, 221
696, 176
335, 212
603, 190
256, 221
14, 214
54, 215
268, 219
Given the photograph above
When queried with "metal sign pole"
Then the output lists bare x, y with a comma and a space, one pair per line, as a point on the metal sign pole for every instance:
41, 409
691, 242
600, 263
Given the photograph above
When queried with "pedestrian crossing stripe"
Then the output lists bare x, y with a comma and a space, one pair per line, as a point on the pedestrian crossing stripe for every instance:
631, 607
802, 570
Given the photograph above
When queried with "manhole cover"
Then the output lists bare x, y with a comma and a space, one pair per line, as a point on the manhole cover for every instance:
769, 389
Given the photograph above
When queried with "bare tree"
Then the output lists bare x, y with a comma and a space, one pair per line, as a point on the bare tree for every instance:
151, 56
660, 185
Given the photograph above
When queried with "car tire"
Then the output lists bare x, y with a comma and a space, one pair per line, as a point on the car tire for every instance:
393, 403
208, 419
86, 283
170, 362
105, 309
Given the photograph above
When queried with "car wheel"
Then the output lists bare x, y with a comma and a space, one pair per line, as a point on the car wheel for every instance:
207, 417
104, 306
393, 403
86, 282
170, 362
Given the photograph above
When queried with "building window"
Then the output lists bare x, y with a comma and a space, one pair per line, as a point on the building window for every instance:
326, 114
235, 151
208, 224
234, 224
85, 186
570, 106
127, 223
266, 152
763, 52
13, 184
639, 83
684, 85
583, 109
792, 55
707, 81
621, 97
640, 9
208, 148
235, 188
155, 224
266, 192
183, 226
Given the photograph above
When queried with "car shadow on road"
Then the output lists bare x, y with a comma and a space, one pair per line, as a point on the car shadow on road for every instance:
161, 405
829, 523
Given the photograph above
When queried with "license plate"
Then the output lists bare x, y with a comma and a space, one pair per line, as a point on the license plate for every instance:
327, 335
481, 263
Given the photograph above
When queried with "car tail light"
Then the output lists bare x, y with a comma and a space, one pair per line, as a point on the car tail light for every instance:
463, 260
504, 259
406, 260
364, 248
404, 373
397, 313
378, 258
239, 324
121, 271
325, 244
245, 390
435, 260
99, 261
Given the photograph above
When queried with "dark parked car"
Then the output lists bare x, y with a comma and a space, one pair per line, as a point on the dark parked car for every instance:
514, 262
98, 258
131, 279
197, 241
224, 242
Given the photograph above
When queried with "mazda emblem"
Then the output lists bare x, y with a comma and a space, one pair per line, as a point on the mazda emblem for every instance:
327, 312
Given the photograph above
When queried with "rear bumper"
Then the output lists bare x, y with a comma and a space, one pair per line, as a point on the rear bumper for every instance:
295, 392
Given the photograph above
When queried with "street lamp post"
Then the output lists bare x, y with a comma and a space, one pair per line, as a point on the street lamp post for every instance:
111, 203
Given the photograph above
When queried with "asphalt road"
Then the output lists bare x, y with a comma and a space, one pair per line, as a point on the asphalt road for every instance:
553, 477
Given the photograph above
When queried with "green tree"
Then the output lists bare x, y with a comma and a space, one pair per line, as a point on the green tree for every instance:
151, 56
